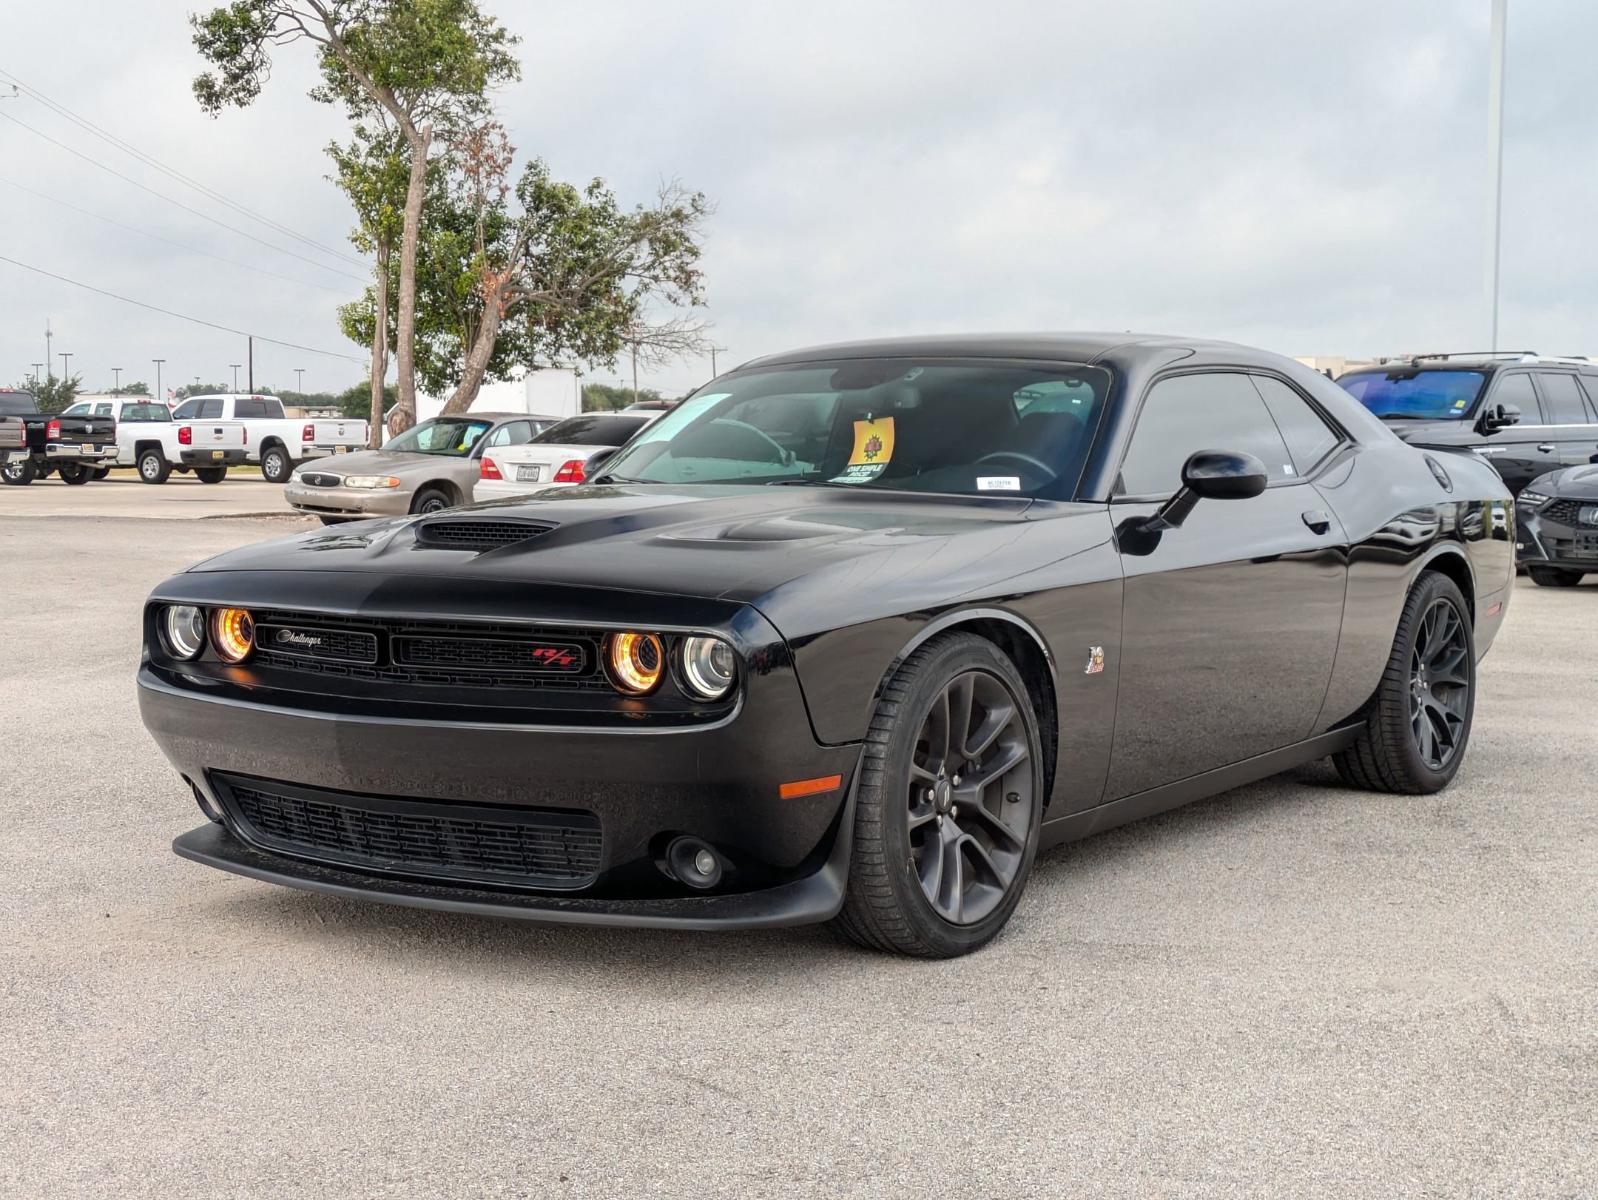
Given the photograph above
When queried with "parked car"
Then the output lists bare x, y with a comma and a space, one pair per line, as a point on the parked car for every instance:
1557, 534
556, 457
272, 438
149, 439
850, 635
1528, 413
431, 466
33, 444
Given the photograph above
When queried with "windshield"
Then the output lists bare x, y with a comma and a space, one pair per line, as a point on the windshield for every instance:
591, 429
1415, 395
16, 404
454, 436
956, 428
144, 412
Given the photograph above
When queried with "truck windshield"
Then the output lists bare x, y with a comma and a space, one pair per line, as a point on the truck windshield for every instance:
1408, 394
454, 436
17, 404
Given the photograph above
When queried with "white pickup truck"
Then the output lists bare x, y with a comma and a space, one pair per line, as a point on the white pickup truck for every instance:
276, 441
148, 438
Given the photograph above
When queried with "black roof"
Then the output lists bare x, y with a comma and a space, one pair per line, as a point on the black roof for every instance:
1066, 347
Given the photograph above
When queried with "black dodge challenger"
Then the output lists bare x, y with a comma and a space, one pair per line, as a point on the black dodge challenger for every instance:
848, 635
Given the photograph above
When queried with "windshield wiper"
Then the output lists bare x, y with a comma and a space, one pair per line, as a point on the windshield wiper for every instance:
795, 481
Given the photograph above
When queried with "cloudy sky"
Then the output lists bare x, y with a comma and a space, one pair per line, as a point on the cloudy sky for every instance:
1308, 177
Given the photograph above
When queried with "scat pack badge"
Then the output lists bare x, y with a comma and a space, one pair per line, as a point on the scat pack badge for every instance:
1095, 661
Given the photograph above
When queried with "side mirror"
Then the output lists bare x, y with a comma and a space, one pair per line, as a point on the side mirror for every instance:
1210, 475
1495, 417
598, 459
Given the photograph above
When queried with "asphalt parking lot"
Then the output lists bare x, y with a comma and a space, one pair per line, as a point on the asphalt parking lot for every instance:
1293, 989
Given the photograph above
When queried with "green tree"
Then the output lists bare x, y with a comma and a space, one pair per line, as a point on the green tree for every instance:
137, 388
356, 402
425, 66
601, 396
53, 394
202, 389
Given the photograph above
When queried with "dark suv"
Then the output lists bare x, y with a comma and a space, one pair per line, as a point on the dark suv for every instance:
1525, 413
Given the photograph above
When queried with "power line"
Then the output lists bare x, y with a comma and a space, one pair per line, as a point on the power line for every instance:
88, 287
179, 203
157, 237
126, 147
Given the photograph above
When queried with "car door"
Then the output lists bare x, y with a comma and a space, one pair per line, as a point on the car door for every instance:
1523, 451
1573, 426
1230, 622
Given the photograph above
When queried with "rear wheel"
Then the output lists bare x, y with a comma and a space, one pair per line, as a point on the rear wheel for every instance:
153, 467
1417, 726
99, 472
211, 474
1553, 577
74, 473
276, 466
429, 500
948, 803
17, 474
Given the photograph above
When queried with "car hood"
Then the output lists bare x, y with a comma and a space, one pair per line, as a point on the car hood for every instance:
383, 462
1572, 483
734, 543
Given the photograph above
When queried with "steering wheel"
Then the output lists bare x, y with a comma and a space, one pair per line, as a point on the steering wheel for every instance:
755, 443
1034, 464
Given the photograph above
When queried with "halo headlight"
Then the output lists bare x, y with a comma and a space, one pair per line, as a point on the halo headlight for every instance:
708, 667
635, 662
233, 633
183, 630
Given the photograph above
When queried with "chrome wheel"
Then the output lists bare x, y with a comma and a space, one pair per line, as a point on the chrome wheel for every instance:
970, 797
1439, 684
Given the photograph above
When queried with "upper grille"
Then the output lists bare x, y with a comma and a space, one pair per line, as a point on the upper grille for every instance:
536, 847
477, 535
315, 641
1566, 512
319, 479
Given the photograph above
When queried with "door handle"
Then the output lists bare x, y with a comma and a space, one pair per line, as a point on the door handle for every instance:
1318, 521
1546, 447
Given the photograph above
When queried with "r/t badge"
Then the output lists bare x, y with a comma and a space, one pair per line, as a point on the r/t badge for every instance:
1095, 661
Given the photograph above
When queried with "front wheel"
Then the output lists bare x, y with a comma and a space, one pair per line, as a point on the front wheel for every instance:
18, 473
1417, 726
276, 466
211, 474
429, 500
948, 803
1553, 577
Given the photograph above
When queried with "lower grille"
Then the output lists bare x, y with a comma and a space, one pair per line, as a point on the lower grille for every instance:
534, 847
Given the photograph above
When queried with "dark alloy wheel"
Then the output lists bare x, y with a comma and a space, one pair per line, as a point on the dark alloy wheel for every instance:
948, 803
276, 466
1417, 726
17, 473
1553, 577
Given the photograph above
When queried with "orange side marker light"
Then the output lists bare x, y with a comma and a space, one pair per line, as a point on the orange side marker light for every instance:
810, 787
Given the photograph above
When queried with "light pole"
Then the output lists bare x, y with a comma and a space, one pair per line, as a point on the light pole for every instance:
299, 375
159, 394
117, 372
36, 367
1495, 158
66, 374
48, 358
235, 367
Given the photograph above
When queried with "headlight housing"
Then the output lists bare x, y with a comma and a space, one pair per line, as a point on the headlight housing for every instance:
635, 662
183, 630
709, 667
233, 633
371, 481
1532, 499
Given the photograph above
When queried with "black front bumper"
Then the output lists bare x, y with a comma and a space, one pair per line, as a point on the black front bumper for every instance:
1543, 540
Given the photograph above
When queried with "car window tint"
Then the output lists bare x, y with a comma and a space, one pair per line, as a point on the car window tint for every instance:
187, 411
77, 410
1563, 398
246, 409
210, 410
1516, 389
593, 429
1183, 414
512, 433
102, 410
1590, 387
1309, 438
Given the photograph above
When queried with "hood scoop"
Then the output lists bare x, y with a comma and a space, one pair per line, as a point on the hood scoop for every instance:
477, 534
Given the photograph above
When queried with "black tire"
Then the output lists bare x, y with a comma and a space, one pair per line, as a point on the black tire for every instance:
74, 473
276, 465
429, 500
17, 474
211, 474
888, 906
1393, 754
153, 467
337, 520
1553, 577
100, 473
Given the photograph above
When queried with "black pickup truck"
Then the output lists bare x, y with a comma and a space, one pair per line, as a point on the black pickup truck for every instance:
32, 444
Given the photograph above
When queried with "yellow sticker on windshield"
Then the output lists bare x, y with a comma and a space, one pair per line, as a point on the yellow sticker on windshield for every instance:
873, 442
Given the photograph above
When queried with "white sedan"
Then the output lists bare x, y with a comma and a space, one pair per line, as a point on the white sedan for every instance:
556, 457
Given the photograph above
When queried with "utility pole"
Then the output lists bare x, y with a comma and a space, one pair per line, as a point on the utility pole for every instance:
250, 358
66, 374
299, 375
235, 367
1495, 159
117, 386
159, 394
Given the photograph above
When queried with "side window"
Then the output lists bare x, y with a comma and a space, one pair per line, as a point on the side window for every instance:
210, 410
1309, 438
189, 410
1516, 389
102, 410
1218, 410
246, 410
1590, 386
512, 433
77, 410
1562, 397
